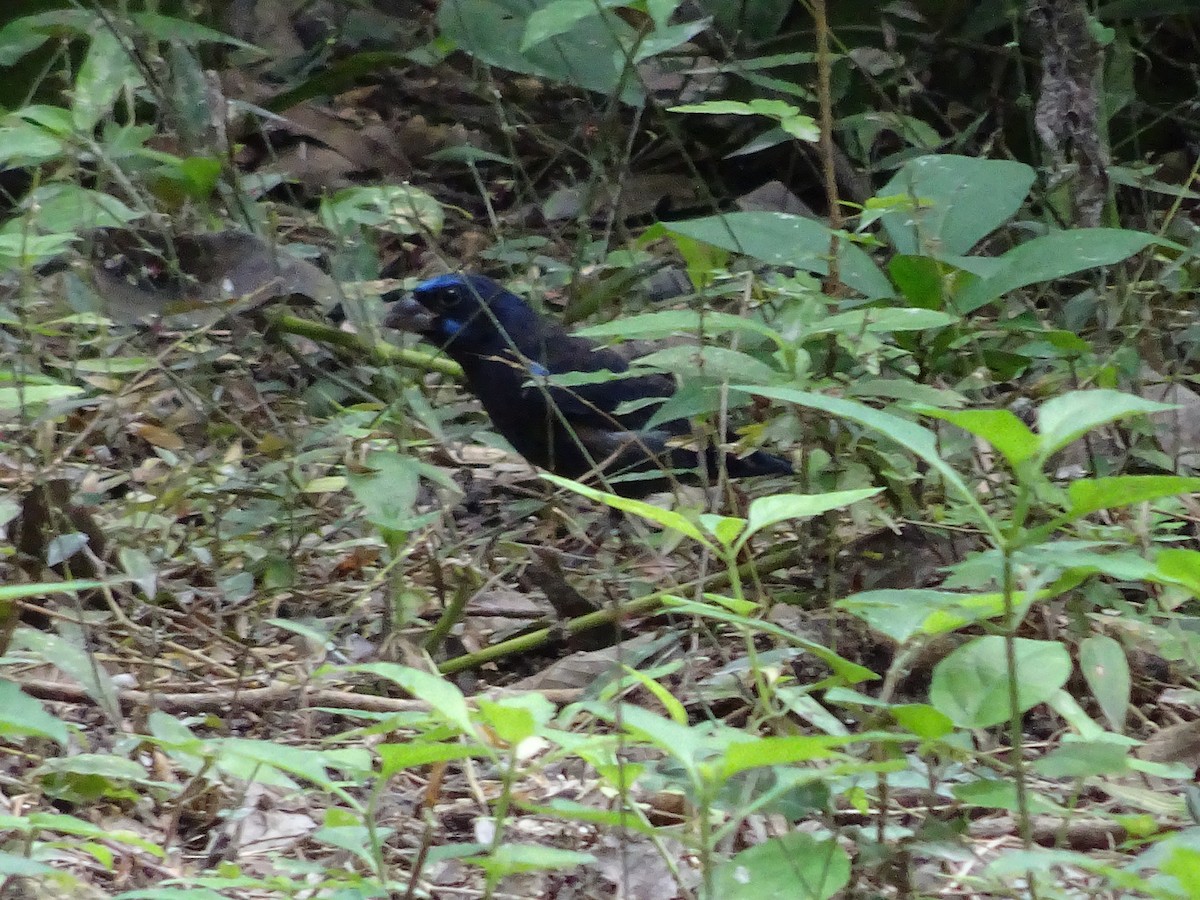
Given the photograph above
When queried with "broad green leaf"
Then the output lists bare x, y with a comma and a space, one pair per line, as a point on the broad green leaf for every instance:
796, 865
971, 684
1068, 417
69, 207
665, 323
921, 279
395, 208
904, 389
266, 761
911, 436
512, 859
999, 427
1001, 793
442, 696
389, 494
682, 742
1106, 670
665, 517
783, 240
168, 28
904, 613
558, 17
409, 755
1049, 257
724, 528
46, 588
850, 672
1079, 759
589, 55
569, 810
36, 395
512, 723
1090, 494
1181, 566
720, 363
106, 70
79, 664
779, 751
922, 720
23, 716
22, 866
882, 319
767, 511
116, 365
23, 143
955, 201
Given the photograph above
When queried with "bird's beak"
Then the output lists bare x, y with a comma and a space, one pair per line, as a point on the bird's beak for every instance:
407, 314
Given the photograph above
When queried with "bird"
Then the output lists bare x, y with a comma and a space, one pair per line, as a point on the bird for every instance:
509, 354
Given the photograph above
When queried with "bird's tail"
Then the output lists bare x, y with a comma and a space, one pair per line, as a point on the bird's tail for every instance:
757, 463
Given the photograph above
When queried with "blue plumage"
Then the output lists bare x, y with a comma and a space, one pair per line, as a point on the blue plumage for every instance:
507, 349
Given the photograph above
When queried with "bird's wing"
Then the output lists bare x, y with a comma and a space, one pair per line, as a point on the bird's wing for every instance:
600, 404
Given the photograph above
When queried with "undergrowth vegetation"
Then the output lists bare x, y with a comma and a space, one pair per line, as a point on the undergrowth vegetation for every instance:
281, 616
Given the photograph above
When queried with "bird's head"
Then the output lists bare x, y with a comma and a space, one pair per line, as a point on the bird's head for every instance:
462, 312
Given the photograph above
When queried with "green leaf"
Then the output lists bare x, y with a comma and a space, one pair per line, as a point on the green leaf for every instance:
389, 494
903, 613
664, 517
105, 72
36, 395
682, 742
790, 119
911, 436
665, 323
999, 427
881, 320
80, 665
996, 793
720, 363
1181, 566
442, 696
559, 17
25, 144
850, 672
778, 751
971, 684
797, 866
22, 716
1066, 418
956, 202
589, 55
511, 723
767, 511
1049, 257
69, 207
1090, 494
921, 279
783, 240
398, 757
511, 859
1105, 669
1078, 759
394, 208
922, 720
724, 528
11, 864
168, 28
45, 589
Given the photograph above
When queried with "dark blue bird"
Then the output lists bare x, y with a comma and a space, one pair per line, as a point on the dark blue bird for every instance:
507, 350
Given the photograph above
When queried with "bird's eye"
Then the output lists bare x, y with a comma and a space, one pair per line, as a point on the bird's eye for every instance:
449, 299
